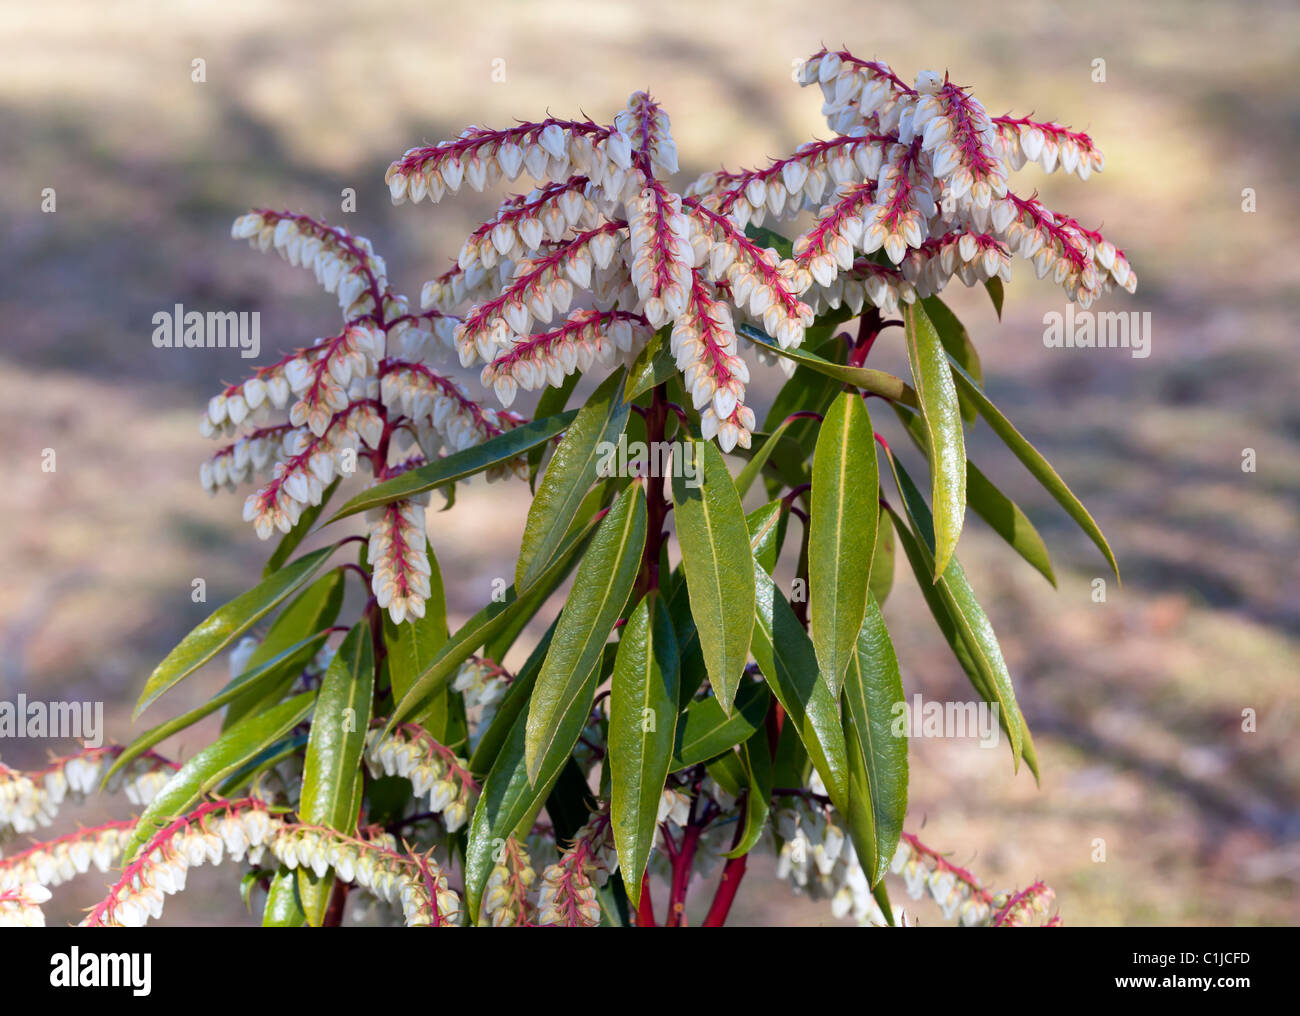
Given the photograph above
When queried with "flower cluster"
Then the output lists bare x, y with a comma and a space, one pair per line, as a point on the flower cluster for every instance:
64, 858
585, 339
212, 831
358, 399
917, 173
21, 907
506, 896
1021, 909
482, 685
410, 880
567, 897
432, 769
955, 890
31, 800
816, 855
244, 828
945, 169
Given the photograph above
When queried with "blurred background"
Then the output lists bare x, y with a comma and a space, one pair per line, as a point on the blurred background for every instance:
1136, 702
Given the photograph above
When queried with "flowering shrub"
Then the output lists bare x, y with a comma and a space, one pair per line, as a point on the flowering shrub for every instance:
729, 714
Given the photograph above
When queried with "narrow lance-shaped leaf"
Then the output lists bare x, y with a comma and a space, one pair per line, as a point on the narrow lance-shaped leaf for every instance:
714, 540
756, 757
494, 451
788, 662
510, 794
957, 342
955, 593
652, 366
997, 293
486, 625
570, 474
882, 562
642, 728
316, 608
990, 504
601, 588
948, 626
766, 527
873, 697
289, 662
283, 908
705, 731
1036, 464
946, 446
878, 382
210, 767
227, 623
841, 533
754, 467
333, 761
550, 403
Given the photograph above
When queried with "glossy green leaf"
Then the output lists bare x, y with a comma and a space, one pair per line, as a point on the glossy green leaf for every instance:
600, 591
878, 382
713, 539
315, 609
572, 471
537, 595
693, 673
550, 403
958, 599
227, 623
940, 611
486, 625
494, 451
757, 760
996, 293
789, 459
945, 444
511, 705
510, 795
705, 731
290, 662
210, 767
413, 645
994, 507
728, 772
957, 342
642, 728
788, 662
766, 527
873, 694
334, 747
754, 467
882, 562
841, 533
283, 908
652, 367
1036, 464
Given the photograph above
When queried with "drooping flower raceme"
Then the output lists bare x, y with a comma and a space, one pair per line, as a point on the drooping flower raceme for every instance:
911, 191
